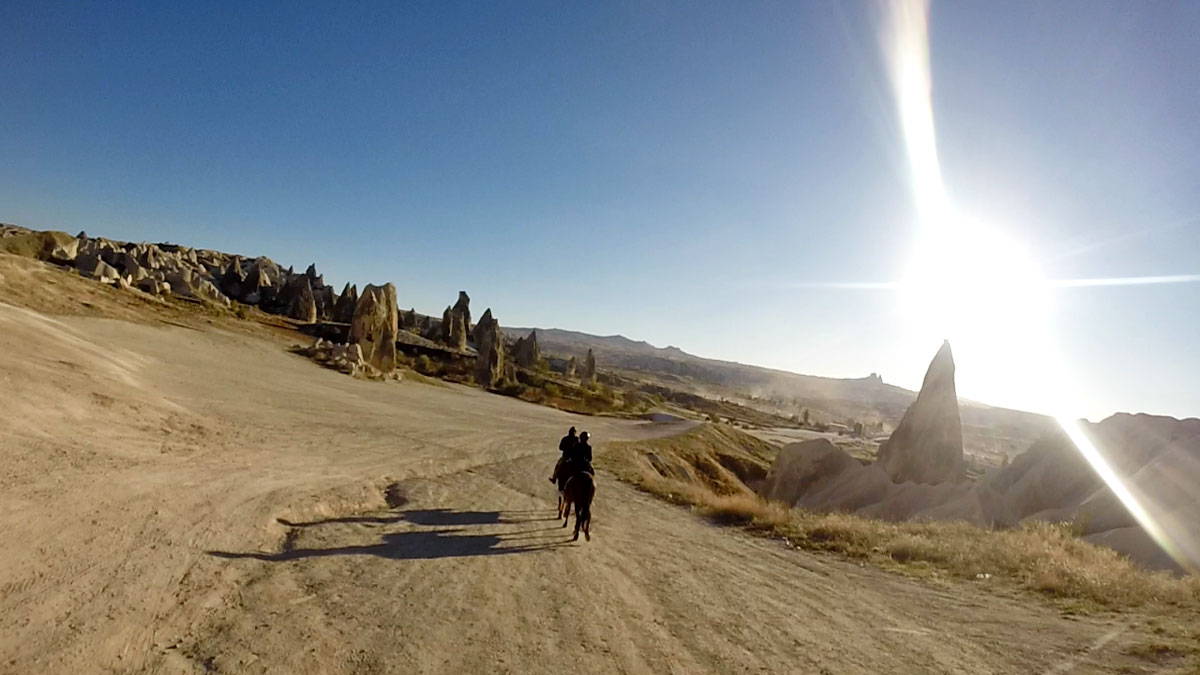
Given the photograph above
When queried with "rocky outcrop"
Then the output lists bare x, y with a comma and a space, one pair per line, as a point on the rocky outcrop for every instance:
203, 289
345, 358
375, 325
198, 274
258, 288
569, 373
818, 476
302, 304
153, 286
462, 309
526, 353
456, 324
589, 368
801, 466
325, 299
105, 273
446, 325
459, 330
489, 342
1158, 461
409, 321
59, 248
927, 446
343, 310
233, 281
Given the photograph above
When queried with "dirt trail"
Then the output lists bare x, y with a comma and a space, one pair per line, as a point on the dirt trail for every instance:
187, 501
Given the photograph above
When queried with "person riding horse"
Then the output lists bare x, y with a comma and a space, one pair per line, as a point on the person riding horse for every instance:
564, 446
579, 457
576, 458
576, 481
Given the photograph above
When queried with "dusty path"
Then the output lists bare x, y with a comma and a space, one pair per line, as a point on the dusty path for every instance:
179, 501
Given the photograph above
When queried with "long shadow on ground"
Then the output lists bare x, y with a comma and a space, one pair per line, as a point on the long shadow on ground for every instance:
436, 517
428, 545
444, 542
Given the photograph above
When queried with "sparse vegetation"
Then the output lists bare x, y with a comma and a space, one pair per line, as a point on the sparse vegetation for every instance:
426, 366
511, 389
1046, 558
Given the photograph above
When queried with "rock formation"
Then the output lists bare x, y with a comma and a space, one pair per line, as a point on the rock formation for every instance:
489, 341
919, 477
347, 358
258, 287
233, 281
409, 321
343, 309
302, 305
458, 331
589, 368
59, 248
185, 272
447, 325
571, 368
818, 476
375, 325
927, 447
800, 467
105, 273
326, 299
462, 307
526, 353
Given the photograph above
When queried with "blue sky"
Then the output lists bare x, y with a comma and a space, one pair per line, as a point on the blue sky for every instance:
671, 172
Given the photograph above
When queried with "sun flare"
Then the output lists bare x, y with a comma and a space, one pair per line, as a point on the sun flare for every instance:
978, 287
967, 282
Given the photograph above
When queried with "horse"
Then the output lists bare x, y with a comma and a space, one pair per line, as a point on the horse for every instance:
579, 491
561, 474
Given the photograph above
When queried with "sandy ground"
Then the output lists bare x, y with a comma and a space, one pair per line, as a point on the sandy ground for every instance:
176, 500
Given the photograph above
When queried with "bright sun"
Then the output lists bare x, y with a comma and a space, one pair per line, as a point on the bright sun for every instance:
966, 282
978, 288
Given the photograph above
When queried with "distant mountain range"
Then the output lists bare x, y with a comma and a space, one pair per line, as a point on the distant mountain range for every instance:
869, 399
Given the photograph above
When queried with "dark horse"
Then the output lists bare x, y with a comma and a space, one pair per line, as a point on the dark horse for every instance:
579, 491
562, 473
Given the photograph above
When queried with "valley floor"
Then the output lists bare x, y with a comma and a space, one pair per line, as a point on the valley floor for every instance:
176, 500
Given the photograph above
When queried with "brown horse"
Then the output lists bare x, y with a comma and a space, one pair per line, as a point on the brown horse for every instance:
559, 478
579, 491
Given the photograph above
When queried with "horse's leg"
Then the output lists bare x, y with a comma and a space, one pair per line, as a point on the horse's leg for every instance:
578, 518
587, 524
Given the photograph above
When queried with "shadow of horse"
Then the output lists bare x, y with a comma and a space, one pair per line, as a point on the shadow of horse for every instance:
424, 545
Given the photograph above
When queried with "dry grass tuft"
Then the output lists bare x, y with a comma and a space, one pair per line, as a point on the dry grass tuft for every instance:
1043, 557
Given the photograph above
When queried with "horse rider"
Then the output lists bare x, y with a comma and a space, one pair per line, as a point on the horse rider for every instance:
565, 445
